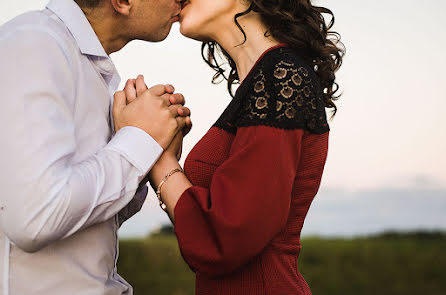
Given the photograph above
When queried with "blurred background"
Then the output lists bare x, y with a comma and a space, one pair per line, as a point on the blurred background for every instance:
378, 223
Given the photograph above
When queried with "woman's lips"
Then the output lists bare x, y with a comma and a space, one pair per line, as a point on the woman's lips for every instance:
183, 5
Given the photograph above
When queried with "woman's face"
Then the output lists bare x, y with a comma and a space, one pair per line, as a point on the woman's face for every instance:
203, 19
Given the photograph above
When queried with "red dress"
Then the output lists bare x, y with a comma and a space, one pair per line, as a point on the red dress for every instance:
254, 175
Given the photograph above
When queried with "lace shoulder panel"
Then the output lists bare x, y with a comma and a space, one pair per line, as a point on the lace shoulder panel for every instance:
284, 93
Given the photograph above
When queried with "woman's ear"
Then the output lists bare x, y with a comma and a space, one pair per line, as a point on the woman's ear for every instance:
122, 6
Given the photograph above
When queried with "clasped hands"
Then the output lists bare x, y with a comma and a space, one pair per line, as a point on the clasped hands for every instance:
157, 110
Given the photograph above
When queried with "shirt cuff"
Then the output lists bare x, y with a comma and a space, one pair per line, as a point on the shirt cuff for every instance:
138, 147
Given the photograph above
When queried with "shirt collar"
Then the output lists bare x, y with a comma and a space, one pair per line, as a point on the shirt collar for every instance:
76, 21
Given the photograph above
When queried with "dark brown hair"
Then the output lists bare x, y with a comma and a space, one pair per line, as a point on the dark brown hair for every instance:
302, 27
88, 3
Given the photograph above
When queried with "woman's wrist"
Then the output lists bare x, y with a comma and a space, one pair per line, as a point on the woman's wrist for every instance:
164, 165
173, 186
163, 181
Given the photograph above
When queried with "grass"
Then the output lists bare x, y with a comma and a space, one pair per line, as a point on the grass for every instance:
391, 263
155, 266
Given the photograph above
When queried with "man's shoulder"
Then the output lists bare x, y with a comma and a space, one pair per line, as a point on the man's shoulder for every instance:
35, 23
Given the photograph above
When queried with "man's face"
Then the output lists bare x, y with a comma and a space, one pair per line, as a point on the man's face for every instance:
151, 20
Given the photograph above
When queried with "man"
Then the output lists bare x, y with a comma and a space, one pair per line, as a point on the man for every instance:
65, 173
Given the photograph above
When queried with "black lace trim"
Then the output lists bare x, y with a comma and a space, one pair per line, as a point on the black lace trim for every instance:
282, 92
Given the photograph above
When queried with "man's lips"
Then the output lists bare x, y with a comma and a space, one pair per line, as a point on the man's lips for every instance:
184, 4
177, 14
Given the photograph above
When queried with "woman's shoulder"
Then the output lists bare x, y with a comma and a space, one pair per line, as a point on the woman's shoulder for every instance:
284, 92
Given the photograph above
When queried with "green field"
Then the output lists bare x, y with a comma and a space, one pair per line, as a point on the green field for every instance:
392, 263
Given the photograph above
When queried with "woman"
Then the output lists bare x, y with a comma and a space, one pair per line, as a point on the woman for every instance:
247, 185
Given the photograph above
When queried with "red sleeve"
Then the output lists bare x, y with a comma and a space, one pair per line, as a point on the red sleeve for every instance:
221, 228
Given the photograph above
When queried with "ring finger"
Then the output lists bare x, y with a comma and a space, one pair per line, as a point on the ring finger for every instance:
130, 90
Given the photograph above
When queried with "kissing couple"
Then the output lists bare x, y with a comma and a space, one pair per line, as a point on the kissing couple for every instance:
78, 156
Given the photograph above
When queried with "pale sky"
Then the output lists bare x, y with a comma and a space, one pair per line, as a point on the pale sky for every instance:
389, 130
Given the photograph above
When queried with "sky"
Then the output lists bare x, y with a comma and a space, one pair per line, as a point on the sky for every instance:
386, 161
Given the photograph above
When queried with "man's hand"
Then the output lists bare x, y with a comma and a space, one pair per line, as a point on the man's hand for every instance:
135, 87
157, 110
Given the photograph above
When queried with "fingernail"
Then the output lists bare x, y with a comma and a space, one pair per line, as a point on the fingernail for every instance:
171, 87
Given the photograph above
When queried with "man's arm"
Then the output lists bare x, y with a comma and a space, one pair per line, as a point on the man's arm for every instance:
44, 196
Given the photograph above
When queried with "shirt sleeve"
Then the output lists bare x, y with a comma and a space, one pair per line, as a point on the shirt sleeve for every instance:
223, 227
44, 195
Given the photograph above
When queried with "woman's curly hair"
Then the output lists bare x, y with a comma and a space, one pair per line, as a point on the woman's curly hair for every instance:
302, 27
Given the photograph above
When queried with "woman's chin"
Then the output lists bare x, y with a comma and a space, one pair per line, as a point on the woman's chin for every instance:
183, 31
191, 33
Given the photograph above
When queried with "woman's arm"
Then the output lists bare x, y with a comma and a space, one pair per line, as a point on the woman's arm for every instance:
177, 183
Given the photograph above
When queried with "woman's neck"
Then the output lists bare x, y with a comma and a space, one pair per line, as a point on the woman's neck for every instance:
245, 55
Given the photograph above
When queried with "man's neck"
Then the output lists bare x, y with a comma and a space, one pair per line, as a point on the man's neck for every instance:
106, 29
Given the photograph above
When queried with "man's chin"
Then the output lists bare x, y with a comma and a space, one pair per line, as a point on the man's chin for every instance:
161, 36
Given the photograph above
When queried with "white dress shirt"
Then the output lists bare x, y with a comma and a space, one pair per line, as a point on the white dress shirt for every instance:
63, 176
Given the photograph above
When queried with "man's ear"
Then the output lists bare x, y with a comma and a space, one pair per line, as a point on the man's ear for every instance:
122, 6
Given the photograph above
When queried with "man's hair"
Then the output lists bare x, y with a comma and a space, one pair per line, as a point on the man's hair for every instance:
88, 3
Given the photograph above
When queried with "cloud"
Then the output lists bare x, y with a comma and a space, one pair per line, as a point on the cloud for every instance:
338, 212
